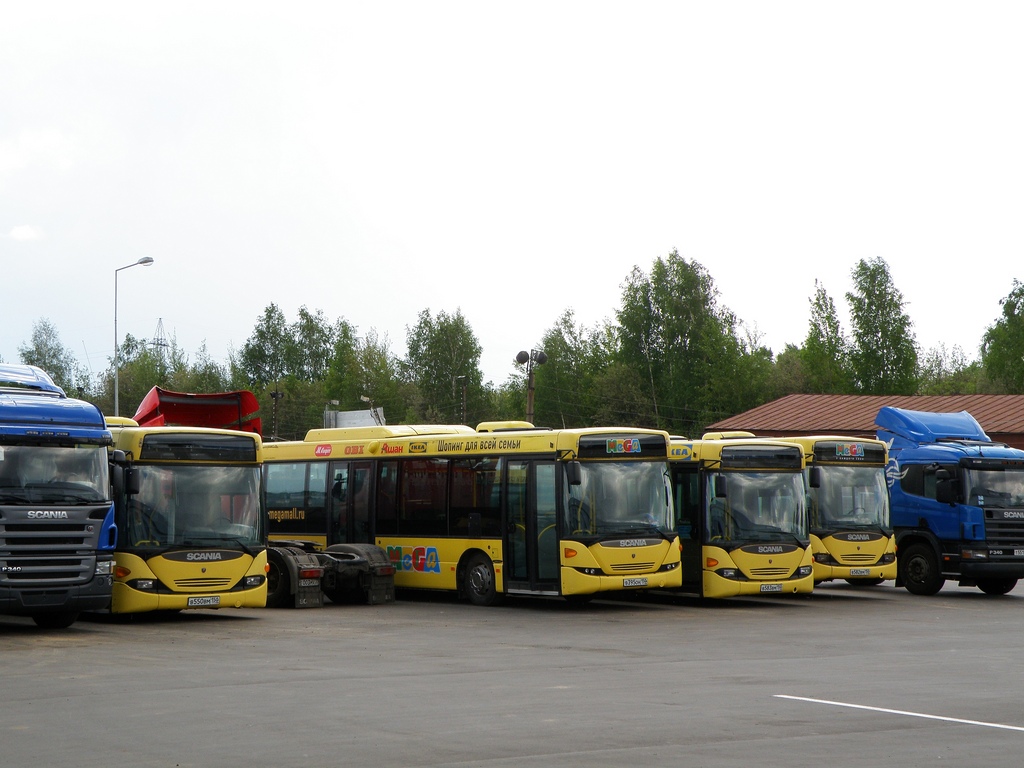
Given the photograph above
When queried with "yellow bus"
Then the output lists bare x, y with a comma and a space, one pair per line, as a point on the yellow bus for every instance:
848, 506
742, 516
191, 527
504, 509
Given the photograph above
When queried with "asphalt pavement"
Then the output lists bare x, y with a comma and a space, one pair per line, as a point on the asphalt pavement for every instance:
849, 676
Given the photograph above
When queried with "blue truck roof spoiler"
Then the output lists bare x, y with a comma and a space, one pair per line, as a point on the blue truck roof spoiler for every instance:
928, 427
27, 377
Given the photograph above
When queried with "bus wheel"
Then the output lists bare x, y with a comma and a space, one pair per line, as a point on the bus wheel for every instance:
996, 586
919, 568
864, 582
61, 620
478, 582
278, 588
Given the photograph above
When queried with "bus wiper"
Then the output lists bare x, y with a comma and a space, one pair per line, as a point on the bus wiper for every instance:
214, 541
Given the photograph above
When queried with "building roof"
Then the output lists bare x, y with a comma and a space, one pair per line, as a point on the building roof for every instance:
1001, 416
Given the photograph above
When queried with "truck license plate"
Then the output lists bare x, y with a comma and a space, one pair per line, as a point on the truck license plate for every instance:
634, 582
771, 587
204, 602
860, 571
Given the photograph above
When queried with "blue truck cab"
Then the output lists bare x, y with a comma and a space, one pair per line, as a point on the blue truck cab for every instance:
957, 502
57, 532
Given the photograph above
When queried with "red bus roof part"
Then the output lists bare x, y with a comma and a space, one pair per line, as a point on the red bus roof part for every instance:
224, 410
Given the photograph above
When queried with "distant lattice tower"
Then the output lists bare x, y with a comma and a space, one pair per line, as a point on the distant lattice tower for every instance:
159, 343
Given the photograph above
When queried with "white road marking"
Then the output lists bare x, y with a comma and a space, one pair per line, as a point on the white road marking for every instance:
902, 712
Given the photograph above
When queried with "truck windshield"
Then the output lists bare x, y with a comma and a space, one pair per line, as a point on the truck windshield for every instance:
757, 506
850, 497
51, 474
626, 497
995, 488
195, 506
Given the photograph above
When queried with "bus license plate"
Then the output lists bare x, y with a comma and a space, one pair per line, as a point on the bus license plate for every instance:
204, 602
860, 571
1018, 553
771, 587
634, 582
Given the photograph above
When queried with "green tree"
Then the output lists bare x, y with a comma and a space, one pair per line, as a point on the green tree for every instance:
441, 351
884, 354
264, 357
948, 372
565, 393
46, 351
1002, 346
826, 354
684, 346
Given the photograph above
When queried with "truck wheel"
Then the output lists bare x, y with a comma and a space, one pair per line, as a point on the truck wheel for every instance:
61, 620
278, 585
478, 581
996, 586
919, 568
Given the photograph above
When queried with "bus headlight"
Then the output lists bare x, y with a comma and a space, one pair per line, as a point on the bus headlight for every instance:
143, 584
252, 581
888, 557
803, 571
729, 573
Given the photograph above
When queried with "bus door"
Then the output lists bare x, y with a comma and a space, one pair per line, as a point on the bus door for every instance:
350, 502
690, 524
531, 534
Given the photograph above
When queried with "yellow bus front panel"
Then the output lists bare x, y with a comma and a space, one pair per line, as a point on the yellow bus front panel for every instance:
618, 565
775, 569
165, 584
854, 555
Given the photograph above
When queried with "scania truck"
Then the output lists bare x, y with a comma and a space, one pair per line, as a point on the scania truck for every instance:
957, 502
57, 531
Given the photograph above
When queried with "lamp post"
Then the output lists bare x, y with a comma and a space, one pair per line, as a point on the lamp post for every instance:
530, 359
144, 261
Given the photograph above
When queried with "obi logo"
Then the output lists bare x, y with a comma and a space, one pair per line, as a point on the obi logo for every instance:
419, 559
353, 450
625, 445
322, 450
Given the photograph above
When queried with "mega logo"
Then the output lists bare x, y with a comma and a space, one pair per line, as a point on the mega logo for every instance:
623, 445
322, 450
849, 450
419, 559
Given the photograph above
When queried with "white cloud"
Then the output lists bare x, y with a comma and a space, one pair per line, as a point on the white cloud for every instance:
25, 232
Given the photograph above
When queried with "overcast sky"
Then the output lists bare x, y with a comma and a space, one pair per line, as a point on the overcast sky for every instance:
507, 160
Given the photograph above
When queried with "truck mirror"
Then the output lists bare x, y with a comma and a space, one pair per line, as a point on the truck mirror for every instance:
945, 490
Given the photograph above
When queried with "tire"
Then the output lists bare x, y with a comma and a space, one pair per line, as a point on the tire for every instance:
996, 586
478, 581
61, 620
919, 569
279, 589
864, 582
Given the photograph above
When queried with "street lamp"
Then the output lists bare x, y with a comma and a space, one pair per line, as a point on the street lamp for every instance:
144, 261
530, 359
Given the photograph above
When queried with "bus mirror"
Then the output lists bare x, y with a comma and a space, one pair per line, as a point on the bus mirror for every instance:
720, 487
131, 481
574, 473
117, 457
814, 477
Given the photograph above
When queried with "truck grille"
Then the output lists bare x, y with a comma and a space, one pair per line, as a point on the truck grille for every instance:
1003, 533
34, 553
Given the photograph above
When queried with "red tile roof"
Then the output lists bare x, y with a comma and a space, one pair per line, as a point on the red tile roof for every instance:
1001, 416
